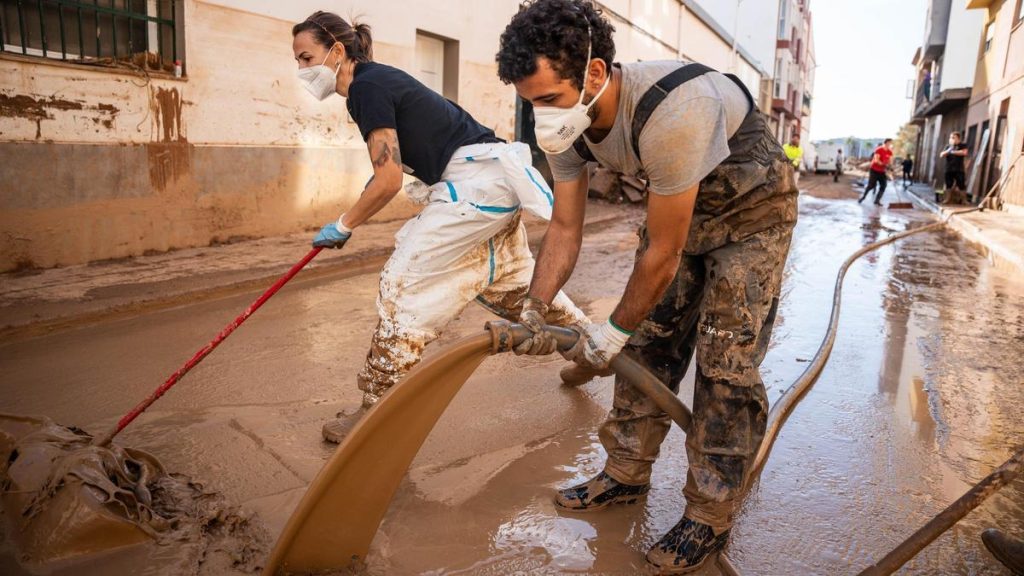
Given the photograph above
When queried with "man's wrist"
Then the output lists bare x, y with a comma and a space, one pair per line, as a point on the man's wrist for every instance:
616, 326
614, 336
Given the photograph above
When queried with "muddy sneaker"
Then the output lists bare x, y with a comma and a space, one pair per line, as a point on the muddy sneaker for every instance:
576, 375
1007, 550
337, 429
598, 492
685, 548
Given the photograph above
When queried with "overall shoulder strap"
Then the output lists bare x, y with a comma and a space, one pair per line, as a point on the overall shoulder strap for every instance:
743, 87
655, 94
583, 151
653, 97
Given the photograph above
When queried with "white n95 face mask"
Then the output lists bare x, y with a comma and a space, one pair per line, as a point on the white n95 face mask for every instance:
320, 80
557, 128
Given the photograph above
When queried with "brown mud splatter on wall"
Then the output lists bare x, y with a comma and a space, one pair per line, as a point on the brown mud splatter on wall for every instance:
168, 162
166, 105
170, 153
39, 109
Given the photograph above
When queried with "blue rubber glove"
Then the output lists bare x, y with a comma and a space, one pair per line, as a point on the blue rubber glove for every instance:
331, 237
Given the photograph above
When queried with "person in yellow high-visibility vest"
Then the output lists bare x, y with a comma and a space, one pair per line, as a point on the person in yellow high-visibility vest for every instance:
795, 154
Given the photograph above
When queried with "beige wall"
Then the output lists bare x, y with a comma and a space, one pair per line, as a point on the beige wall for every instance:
1000, 76
100, 163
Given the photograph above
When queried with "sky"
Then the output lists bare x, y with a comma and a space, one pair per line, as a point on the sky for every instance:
864, 49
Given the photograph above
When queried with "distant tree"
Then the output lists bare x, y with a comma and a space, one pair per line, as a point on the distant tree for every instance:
906, 141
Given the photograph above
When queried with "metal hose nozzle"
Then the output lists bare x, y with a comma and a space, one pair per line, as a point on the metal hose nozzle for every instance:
505, 336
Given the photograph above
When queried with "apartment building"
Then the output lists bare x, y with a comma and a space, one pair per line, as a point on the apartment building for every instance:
995, 114
792, 100
945, 64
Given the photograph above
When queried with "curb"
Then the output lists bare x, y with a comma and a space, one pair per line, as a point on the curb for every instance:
342, 266
1001, 255
924, 202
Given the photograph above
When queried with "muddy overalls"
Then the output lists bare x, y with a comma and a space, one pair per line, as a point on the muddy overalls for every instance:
467, 244
721, 303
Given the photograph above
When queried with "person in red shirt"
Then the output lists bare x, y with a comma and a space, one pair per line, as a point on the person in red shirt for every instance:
878, 175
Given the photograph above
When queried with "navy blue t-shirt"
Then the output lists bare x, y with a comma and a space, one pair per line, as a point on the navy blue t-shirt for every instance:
430, 128
955, 163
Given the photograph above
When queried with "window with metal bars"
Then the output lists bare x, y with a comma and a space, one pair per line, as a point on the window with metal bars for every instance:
135, 33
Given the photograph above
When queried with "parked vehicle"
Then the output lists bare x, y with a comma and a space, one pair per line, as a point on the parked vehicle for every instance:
810, 158
827, 152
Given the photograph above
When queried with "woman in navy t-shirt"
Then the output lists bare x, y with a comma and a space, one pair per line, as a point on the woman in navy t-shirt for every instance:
467, 244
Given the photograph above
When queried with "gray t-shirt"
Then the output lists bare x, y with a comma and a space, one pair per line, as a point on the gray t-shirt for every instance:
684, 139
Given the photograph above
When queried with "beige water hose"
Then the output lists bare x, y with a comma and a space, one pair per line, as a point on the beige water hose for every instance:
783, 407
335, 522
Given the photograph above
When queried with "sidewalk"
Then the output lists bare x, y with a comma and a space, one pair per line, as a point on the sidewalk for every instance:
1000, 233
37, 302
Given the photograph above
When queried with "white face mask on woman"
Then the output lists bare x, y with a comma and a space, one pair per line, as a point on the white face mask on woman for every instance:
320, 80
557, 128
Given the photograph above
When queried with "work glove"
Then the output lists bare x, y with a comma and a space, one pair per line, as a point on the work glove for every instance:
333, 235
598, 345
532, 317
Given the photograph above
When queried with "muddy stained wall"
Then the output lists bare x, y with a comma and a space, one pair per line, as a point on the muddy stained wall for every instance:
100, 163
998, 89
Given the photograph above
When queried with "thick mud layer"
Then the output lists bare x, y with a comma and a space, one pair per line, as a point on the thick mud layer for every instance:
338, 517
921, 398
68, 503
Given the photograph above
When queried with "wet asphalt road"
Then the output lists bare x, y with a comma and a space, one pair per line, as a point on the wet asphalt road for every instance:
923, 396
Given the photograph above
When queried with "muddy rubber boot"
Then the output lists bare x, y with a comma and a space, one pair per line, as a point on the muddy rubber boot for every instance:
599, 492
685, 548
576, 375
1009, 551
337, 429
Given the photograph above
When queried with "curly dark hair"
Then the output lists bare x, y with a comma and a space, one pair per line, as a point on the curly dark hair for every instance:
556, 30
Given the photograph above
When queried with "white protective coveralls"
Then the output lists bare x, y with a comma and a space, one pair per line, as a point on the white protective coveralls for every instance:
468, 243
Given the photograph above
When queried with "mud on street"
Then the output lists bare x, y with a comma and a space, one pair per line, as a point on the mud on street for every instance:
922, 397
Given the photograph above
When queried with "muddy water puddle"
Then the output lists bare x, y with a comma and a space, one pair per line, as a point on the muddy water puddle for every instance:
905, 418
921, 398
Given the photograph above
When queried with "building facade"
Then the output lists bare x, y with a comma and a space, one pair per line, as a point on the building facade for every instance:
793, 77
945, 64
744, 21
807, 93
995, 116
144, 126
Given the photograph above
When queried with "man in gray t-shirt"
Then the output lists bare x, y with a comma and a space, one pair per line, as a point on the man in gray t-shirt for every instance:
694, 122
706, 279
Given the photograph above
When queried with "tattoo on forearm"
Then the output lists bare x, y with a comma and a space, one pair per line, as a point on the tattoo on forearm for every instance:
383, 155
386, 150
396, 154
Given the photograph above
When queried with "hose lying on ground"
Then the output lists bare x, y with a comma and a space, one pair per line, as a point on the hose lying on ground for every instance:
787, 402
783, 407
330, 529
